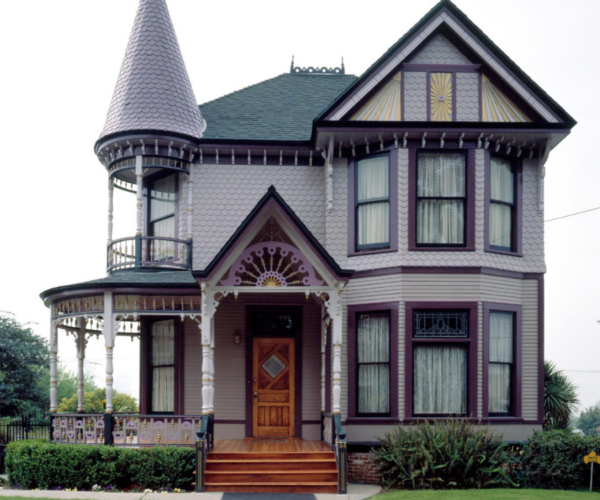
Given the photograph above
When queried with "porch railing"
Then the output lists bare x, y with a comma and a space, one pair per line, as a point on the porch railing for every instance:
149, 251
334, 435
126, 429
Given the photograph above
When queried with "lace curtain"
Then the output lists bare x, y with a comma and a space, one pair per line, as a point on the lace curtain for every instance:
440, 380
163, 366
373, 363
501, 361
373, 216
502, 189
440, 220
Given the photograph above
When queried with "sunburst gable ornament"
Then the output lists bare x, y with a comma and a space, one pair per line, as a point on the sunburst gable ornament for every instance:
441, 97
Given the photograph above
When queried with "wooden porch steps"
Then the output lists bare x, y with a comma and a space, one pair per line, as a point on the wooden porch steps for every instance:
265, 469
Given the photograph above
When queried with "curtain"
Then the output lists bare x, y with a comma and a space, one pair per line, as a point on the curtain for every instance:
439, 220
163, 366
373, 363
440, 380
501, 361
502, 189
373, 184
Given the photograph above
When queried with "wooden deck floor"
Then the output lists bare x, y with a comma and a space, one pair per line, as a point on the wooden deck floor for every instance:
269, 446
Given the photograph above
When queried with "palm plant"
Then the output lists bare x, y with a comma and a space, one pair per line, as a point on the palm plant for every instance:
560, 398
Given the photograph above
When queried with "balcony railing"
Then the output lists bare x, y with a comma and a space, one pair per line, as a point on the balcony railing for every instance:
126, 429
149, 251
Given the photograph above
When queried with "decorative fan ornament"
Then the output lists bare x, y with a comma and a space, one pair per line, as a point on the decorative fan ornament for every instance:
385, 105
441, 97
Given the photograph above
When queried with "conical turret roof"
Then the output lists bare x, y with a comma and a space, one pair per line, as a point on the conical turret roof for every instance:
153, 92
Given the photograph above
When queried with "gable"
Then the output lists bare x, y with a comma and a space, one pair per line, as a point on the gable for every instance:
445, 69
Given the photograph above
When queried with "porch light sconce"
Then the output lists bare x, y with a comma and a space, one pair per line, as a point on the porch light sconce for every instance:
237, 336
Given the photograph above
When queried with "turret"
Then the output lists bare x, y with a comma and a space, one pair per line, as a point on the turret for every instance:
149, 138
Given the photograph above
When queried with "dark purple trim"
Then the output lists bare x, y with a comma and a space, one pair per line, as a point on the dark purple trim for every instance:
470, 203
517, 237
516, 390
371, 421
144, 368
353, 310
442, 68
541, 335
297, 312
219, 421
311, 422
454, 97
386, 271
480, 96
471, 342
427, 94
393, 162
402, 115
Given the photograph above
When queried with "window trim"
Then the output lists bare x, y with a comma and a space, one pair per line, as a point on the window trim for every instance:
517, 229
471, 342
392, 309
517, 376
392, 246
469, 245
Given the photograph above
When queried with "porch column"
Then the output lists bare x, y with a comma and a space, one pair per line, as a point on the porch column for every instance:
336, 338
324, 324
80, 359
111, 189
108, 330
206, 327
53, 366
211, 400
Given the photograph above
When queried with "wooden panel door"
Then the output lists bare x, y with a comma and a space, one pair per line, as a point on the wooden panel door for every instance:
273, 389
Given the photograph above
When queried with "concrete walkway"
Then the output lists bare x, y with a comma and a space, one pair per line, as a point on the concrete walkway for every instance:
355, 492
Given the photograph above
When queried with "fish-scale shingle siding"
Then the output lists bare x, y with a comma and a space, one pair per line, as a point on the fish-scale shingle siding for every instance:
415, 96
439, 50
467, 97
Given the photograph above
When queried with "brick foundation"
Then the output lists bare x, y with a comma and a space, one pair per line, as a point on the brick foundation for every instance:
362, 468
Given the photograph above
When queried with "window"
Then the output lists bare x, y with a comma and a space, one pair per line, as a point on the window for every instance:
373, 363
441, 199
440, 370
162, 361
373, 203
501, 362
502, 205
161, 219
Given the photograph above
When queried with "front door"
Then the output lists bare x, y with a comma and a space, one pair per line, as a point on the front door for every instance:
273, 389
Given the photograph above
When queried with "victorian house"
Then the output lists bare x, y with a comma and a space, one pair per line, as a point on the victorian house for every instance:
320, 257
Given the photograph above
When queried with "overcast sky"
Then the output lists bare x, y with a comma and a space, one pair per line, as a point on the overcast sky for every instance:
60, 60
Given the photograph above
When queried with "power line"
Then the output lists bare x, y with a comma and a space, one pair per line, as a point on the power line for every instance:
571, 215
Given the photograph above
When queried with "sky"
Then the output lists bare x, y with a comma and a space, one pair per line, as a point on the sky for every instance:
61, 59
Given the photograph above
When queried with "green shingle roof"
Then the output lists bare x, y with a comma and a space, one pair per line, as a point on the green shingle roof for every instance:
159, 279
280, 109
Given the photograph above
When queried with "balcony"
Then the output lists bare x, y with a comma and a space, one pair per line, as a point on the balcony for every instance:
149, 252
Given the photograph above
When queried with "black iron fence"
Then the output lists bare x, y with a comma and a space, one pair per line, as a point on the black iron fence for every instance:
17, 429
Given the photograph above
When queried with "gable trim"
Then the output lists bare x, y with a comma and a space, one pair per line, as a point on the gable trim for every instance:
446, 12
292, 220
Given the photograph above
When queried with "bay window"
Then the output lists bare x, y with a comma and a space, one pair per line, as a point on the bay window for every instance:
441, 350
373, 363
501, 362
373, 203
502, 205
441, 199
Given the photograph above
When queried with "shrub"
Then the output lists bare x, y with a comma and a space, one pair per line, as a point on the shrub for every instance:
444, 454
554, 460
39, 464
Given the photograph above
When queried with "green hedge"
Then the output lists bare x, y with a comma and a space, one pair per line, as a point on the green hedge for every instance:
39, 464
554, 460
444, 454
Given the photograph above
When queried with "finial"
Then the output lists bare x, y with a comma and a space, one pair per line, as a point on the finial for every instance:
292, 65
343, 68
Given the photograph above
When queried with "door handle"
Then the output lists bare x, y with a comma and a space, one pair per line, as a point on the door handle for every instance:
255, 397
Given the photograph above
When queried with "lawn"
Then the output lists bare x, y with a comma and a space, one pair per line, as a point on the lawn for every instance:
488, 495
